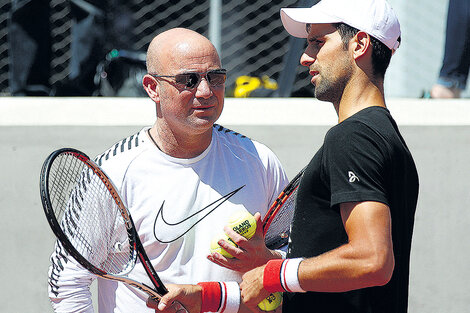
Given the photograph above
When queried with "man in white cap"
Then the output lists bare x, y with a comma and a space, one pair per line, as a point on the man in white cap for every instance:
350, 239
351, 235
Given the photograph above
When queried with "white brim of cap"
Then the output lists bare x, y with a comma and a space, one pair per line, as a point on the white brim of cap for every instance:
295, 19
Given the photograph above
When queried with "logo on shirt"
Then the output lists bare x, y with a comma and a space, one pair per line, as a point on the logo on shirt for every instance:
352, 177
176, 230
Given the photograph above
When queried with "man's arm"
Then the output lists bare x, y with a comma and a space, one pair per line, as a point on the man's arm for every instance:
366, 260
69, 284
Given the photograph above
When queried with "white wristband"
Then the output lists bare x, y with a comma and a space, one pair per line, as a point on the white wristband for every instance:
290, 275
230, 301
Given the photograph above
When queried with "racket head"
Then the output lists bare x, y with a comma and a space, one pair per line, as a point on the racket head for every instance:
86, 214
277, 221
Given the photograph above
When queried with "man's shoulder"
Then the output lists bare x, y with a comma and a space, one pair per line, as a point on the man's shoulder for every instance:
118, 157
231, 138
374, 117
238, 140
371, 119
228, 133
122, 149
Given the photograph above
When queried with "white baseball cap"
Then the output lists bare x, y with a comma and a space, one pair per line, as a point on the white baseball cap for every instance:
375, 17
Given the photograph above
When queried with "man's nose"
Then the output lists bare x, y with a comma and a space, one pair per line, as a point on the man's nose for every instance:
306, 60
203, 89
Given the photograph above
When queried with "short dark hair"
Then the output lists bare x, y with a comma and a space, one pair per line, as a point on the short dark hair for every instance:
381, 54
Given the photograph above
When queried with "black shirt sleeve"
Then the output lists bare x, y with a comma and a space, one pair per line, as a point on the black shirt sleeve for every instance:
354, 163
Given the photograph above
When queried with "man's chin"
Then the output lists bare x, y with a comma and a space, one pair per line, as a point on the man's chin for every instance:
319, 96
323, 95
203, 122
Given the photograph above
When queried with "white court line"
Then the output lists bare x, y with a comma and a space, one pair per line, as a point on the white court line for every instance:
100, 111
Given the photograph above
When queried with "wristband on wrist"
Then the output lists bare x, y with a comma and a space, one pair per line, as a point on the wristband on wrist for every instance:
271, 276
282, 276
221, 297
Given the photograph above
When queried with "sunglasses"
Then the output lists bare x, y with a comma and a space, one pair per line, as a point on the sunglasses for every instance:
215, 78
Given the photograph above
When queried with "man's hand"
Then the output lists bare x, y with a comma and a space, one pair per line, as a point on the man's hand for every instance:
251, 288
188, 295
249, 254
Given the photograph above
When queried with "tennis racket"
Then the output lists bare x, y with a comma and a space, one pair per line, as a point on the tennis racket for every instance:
91, 222
277, 221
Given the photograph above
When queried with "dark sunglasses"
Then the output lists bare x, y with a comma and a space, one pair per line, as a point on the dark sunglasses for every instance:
191, 80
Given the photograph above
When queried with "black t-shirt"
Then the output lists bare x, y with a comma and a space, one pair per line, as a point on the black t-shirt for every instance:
364, 158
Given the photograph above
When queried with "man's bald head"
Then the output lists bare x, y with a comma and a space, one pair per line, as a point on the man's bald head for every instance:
173, 45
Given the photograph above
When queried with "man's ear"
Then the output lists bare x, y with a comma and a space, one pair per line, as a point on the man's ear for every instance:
361, 44
151, 87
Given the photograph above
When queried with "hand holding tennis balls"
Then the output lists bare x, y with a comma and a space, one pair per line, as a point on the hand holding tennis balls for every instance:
241, 222
215, 247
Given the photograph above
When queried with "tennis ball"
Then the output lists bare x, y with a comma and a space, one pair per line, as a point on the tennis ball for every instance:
215, 247
243, 223
271, 302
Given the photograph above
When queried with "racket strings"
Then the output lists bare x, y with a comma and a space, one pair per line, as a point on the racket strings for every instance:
89, 216
59, 177
277, 235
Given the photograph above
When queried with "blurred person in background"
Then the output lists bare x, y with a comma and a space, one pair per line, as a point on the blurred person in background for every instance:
453, 76
30, 53
97, 27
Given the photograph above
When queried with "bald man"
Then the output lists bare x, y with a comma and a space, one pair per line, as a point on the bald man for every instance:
181, 179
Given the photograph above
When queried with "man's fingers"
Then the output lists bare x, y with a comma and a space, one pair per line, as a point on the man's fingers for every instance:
237, 252
166, 301
259, 223
151, 303
217, 258
236, 237
154, 304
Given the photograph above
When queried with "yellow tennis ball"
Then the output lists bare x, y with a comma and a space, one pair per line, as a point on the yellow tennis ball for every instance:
215, 247
243, 223
271, 302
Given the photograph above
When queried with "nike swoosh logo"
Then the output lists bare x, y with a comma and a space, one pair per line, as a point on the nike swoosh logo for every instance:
186, 224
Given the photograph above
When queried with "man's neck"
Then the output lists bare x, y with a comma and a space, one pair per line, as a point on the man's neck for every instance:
179, 145
358, 96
